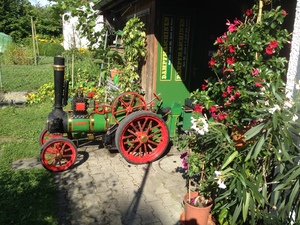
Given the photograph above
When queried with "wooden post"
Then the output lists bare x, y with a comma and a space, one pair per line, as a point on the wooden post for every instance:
33, 41
73, 59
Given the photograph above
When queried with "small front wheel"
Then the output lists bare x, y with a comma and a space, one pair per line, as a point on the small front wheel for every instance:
142, 137
45, 136
58, 154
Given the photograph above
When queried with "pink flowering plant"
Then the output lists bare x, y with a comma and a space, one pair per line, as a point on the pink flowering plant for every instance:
247, 66
257, 182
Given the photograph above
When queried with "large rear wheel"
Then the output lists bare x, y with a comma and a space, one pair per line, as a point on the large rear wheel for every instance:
142, 137
58, 154
127, 103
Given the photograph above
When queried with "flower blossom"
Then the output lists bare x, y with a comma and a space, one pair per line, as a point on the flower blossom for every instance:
211, 63
220, 182
220, 40
269, 50
198, 108
284, 13
200, 125
272, 110
230, 60
255, 72
273, 44
295, 117
288, 104
183, 159
229, 89
204, 86
231, 27
249, 12
231, 48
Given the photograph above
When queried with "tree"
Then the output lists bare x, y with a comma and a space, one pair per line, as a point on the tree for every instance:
14, 19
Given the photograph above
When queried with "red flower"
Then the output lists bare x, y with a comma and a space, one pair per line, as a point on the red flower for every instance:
220, 40
232, 98
273, 44
231, 27
231, 48
258, 84
284, 13
237, 94
269, 50
249, 12
224, 94
237, 22
212, 109
211, 63
222, 116
255, 72
204, 86
198, 108
229, 89
230, 60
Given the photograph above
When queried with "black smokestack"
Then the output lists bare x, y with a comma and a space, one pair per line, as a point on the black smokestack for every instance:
59, 72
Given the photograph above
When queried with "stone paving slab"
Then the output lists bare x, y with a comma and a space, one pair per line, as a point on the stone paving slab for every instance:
106, 189
103, 188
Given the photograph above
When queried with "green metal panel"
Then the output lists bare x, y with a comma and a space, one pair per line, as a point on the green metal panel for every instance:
4, 41
172, 74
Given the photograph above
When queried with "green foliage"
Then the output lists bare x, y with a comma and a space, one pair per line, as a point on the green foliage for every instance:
17, 54
244, 67
85, 75
50, 49
256, 182
15, 19
134, 42
87, 17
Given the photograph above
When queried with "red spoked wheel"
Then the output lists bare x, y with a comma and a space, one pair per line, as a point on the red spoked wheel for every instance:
58, 154
127, 103
45, 136
142, 137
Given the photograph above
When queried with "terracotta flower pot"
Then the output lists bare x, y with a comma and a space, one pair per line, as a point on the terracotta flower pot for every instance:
195, 215
114, 72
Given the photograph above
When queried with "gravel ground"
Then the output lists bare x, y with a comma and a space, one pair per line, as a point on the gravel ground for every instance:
14, 96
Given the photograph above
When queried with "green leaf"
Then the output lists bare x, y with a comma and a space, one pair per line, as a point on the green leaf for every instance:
293, 175
236, 213
230, 158
258, 146
254, 131
293, 197
246, 205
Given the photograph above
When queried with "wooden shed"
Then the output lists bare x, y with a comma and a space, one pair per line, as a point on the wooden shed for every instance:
180, 37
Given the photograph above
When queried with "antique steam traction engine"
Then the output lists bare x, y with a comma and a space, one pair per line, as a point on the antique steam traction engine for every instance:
129, 124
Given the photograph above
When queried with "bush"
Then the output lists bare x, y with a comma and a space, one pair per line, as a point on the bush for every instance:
17, 54
50, 49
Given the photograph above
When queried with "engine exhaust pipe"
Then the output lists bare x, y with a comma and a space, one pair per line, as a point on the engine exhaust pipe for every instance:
59, 71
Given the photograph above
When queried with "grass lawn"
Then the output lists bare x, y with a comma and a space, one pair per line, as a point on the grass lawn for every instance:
26, 196
27, 77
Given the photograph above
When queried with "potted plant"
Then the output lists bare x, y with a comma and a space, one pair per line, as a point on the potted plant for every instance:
199, 159
114, 63
257, 182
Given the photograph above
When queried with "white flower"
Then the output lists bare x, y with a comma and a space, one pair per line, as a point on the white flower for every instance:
295, 117
272, 110
221, 184
267, 102
288, 104
200, 125
218, 173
